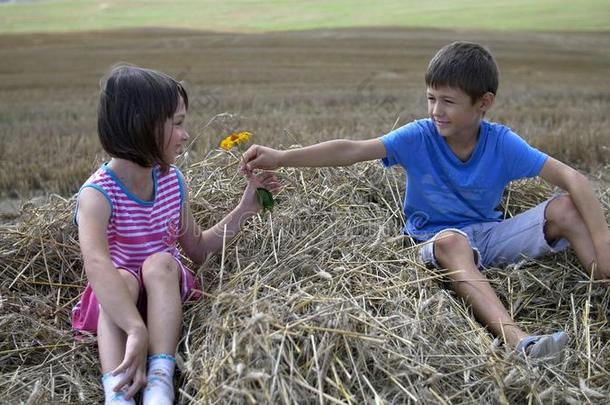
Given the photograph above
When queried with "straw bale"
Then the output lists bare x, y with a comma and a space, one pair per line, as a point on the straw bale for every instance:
319, 302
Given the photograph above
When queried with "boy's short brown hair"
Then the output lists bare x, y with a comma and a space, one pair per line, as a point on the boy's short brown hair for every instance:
464, 65
134, 105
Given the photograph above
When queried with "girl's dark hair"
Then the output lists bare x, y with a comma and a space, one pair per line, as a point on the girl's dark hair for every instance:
134, 105
466, 66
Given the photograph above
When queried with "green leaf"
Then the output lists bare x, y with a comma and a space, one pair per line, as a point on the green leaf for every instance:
265, 198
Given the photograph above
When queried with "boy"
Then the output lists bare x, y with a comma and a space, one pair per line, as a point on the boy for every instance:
458, 166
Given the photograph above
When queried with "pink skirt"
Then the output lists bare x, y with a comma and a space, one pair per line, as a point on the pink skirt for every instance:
86, 313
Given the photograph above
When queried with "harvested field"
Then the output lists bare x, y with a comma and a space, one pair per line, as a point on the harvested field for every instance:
288, 88
318, 303
321, 302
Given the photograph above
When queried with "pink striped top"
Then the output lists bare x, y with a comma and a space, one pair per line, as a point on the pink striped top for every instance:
139, 228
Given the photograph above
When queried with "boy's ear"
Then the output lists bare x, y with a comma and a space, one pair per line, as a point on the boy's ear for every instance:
486, 101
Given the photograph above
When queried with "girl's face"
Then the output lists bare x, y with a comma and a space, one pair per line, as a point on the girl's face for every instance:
175, 134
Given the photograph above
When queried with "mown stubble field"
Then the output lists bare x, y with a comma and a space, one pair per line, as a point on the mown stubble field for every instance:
288, 88
319, 301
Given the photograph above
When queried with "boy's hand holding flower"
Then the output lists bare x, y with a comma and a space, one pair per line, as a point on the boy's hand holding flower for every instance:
260, 157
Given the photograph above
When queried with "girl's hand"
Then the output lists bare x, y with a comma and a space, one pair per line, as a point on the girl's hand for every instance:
266, 180
134, 363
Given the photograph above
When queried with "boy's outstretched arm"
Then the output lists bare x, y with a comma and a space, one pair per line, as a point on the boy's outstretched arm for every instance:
339, 152
588, 206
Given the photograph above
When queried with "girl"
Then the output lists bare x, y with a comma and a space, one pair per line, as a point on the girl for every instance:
131, 214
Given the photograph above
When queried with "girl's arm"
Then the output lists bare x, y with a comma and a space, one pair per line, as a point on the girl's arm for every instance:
339, 152
587, 204
109, 288
200, 245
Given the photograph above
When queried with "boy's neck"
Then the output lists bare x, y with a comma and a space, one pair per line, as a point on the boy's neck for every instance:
464, 144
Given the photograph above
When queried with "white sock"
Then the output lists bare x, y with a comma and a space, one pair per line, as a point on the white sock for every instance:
159, 388
110, 396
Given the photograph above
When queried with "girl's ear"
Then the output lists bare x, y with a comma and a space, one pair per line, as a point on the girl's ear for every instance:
486, 101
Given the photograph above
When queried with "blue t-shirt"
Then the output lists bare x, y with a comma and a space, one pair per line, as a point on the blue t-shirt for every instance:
444, 192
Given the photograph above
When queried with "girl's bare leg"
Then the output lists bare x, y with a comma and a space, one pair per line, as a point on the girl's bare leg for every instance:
161, 274
110, 338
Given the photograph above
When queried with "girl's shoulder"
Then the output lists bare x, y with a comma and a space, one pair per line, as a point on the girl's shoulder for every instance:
171, 181
103, 181
101, 177
100, 181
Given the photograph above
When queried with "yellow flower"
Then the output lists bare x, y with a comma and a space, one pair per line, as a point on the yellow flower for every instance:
244, 136
234, 140
227, 144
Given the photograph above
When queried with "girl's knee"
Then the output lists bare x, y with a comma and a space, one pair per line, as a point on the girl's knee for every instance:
133, 286
160, 267
104, 322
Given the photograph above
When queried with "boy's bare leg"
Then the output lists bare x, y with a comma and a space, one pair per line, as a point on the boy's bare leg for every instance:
161, 275
453, 252
110, 337
564, 221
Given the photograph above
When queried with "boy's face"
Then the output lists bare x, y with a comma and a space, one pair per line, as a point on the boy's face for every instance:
453, 112
175, 134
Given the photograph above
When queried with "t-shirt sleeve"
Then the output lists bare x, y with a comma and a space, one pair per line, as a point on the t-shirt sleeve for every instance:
401, 144
522, 159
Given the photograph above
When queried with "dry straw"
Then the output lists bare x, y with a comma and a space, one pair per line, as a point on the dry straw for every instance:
320, 302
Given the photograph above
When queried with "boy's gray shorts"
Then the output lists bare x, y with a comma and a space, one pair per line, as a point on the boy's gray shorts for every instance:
500, 243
